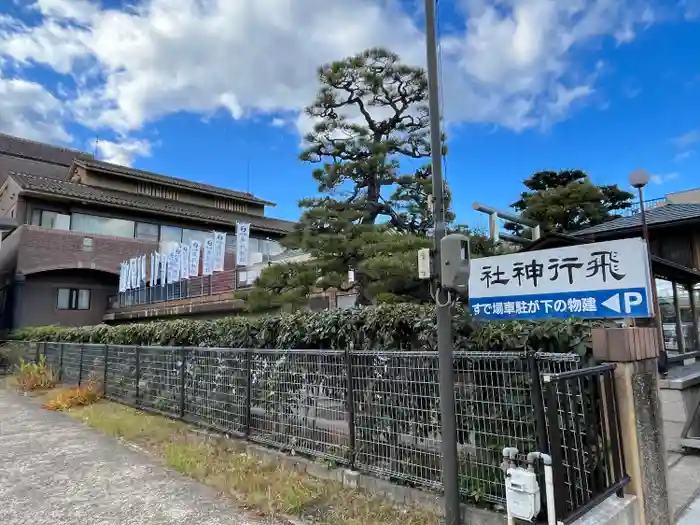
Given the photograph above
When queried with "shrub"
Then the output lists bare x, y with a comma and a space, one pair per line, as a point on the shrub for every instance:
34, 376
83, 395
387, 327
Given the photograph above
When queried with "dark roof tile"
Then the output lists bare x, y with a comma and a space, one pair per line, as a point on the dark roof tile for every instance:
98, 165
655, 216
47, 186
30, 149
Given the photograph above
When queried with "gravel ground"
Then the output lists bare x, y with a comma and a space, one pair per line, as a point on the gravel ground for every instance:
56, 471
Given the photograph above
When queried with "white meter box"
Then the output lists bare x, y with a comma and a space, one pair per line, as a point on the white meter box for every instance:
522, 494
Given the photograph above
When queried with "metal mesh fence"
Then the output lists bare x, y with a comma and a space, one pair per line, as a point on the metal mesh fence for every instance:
377, 412
215, 386
159, 378
120, 379
298, 401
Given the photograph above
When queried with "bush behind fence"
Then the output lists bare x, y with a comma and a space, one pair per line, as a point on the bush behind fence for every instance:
391, 327
377, 412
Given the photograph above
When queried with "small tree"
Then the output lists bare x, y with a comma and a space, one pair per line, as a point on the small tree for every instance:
567, 201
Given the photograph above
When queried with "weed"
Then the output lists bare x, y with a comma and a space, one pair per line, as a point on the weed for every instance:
83, 395
34, 376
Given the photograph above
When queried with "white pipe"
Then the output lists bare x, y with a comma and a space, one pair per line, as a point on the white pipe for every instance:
548, 483
509, 455
549, 487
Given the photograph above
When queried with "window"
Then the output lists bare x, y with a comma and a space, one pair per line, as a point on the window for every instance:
73, 299
102, 225
170, 238
147, 231
50, 219
194, 235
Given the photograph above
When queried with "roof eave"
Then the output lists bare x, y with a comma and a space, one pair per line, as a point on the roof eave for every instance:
630, 229
72, 198
87, 164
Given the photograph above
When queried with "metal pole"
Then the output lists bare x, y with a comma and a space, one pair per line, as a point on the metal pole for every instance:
663, 358
448, 430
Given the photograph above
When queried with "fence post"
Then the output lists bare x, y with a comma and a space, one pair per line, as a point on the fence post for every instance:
636, 352
138, 375
80, 369
558, 474
350, 404
183, 356
538, 404
60, 362
36, 357
104, 378
248, 391
44, 349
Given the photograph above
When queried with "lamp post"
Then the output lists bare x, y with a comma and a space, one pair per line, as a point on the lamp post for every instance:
638, 179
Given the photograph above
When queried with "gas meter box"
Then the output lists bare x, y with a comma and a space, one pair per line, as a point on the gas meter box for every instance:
522, 493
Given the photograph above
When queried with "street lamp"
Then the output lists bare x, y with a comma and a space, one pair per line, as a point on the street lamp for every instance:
638, 179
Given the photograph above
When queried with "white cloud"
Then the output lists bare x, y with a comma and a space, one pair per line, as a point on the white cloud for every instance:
664, 177
683, 155
27, 109
685, 144
123, 151
687, 139
511, 63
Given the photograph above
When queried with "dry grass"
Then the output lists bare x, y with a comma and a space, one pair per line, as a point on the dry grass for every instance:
83, 395
268, 487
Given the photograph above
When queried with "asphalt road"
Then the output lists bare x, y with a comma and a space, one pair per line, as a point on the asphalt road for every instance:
53, 470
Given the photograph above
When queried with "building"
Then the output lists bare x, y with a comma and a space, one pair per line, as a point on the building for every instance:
69, 220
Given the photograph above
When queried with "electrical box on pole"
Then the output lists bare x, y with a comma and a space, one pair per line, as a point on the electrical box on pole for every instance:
425, 266
454, 270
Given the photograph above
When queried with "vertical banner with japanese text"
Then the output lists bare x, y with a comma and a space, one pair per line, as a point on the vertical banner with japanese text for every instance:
208, 257
242, 243
219, 251
195, 254
185, 261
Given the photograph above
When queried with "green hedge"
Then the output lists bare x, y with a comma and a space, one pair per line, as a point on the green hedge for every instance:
389, 327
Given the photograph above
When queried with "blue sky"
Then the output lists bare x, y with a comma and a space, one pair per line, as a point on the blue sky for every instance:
212, 92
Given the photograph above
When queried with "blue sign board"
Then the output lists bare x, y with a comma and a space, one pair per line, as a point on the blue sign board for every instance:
605, 280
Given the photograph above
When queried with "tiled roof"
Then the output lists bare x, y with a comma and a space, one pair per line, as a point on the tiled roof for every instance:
82, 192
148, 176
655, 216
30, 149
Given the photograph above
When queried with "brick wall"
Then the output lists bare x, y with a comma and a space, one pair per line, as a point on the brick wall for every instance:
41, 249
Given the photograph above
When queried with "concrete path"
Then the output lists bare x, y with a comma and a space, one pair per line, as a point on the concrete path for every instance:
55, 471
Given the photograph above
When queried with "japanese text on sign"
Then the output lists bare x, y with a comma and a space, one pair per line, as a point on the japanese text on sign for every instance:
595, 280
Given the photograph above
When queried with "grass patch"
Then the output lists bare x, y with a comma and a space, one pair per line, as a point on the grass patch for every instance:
83, 395
269, 487
30, 377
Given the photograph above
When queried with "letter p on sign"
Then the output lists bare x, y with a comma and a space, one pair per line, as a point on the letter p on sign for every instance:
631, 299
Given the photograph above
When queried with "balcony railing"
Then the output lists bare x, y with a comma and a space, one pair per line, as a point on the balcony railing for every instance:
648, 204
202, 286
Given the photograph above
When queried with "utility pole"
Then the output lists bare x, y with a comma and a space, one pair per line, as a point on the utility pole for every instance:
448, 430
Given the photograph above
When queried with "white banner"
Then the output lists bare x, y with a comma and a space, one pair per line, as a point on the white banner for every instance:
127, 276
185, 261
207, 261
153, 275
195, 254
242, 243
142, 281
175, 257
219, 251
134, 273
163, 266
122, 273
